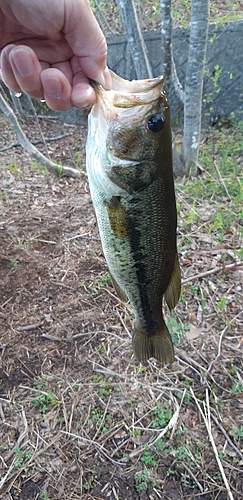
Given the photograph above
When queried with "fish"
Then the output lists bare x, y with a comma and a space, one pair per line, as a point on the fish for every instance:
130, 173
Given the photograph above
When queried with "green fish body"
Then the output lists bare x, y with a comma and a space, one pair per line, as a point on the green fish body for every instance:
129, 165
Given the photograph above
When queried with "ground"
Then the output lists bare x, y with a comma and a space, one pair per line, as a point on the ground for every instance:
79, 416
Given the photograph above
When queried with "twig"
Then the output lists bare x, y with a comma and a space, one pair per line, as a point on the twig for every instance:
215, 270
29, 327
207, 421
218, 355
47, 139
170, 425
227, 437
98, 332
50, 337
26, 367
37, 123
20, 439
96, 445
220, 178
193, 477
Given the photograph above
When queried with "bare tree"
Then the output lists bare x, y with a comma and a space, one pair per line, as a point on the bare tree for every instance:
166, 43
135, 39
191, 97
194, 84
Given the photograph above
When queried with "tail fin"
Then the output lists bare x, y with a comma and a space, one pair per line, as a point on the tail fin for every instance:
157, 346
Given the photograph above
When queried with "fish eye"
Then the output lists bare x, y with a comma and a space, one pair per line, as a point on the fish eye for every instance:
156, 123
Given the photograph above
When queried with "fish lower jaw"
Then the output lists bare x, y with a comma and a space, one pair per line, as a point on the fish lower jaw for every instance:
114, 161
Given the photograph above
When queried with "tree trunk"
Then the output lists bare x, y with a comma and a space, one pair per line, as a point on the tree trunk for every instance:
194, 84
166, 43
135, 39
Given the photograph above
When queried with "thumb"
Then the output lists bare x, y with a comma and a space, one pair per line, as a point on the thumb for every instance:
87, 42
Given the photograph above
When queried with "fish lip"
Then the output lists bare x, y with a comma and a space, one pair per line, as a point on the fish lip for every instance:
123, 86
115, 161
128, 94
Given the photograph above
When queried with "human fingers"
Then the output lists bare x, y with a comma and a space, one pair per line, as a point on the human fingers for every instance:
21, 70
87, 43
57, 89
83, 94
6, 70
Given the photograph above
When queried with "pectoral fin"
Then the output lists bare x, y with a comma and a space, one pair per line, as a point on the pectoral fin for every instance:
121, 294
117, 217
172, 293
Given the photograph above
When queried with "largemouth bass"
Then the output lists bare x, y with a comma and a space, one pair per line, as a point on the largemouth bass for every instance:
129, 165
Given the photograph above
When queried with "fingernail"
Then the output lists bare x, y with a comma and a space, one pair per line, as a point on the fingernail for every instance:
105, 79
52, 87
22, 62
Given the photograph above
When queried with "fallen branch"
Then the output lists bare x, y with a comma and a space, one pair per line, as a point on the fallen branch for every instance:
215, 270
40, 158
96, 445
218, 355
29, 327
47, 139
227, 437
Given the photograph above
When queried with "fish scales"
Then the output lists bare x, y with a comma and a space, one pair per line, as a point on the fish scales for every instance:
130, 174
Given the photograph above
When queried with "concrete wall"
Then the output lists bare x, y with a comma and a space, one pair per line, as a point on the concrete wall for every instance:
224, 51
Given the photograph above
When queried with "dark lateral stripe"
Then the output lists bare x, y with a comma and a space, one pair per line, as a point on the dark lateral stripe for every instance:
140, 268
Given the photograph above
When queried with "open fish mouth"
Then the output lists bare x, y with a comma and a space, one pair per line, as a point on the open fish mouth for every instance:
126, 94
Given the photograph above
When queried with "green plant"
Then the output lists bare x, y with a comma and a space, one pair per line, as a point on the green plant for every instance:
184, 455
46, 402
100, 421
237, 387
141, 480
161, 415
170, 472
13, 167
105, 391
238, 433
178, 330
147, 457
21, 456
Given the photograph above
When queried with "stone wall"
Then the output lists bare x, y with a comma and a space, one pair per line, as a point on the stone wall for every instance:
223, 82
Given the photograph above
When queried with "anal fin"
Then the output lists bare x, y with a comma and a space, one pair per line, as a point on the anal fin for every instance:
172, 293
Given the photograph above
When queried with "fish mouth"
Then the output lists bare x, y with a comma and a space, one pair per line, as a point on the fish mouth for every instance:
115, 161
127, 94
119, 103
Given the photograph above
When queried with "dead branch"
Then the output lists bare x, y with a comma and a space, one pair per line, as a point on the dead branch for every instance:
47, 139
26, 144
227, 437
215, 270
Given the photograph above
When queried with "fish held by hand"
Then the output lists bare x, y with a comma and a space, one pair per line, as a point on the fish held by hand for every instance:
129, 165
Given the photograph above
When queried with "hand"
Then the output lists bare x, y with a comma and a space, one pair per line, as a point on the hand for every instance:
50, 50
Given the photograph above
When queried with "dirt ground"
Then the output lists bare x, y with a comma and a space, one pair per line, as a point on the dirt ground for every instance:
79, 416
